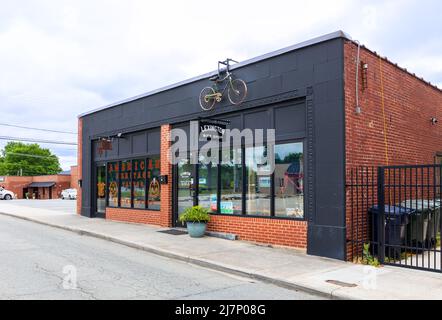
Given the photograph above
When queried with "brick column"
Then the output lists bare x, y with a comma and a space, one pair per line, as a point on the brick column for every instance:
166, 169
79, 163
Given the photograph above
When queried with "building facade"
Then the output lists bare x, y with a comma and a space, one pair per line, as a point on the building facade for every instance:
307, 94
37, 187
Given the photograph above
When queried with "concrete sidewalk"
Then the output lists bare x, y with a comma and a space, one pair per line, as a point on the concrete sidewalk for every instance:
284, 267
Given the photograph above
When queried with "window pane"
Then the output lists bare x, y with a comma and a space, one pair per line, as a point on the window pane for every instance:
153, 173
231, 182
289, 178
101, 188
112, 174
207, 185
139, 183
258, 192
125, 183
185, 185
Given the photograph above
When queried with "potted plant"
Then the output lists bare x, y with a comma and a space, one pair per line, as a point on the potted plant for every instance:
196, 219
27, 195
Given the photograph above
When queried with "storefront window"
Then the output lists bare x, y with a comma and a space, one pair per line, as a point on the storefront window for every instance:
125, 182
101, 188
207, 185
231, 182
289, 180
139, 183
185, 185
258, 192
154, 187
112, 176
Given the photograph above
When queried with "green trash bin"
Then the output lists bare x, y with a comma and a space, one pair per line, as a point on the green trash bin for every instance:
420, 221
435, 227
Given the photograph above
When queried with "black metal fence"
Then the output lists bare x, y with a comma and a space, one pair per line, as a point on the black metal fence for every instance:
361, 195
393, 214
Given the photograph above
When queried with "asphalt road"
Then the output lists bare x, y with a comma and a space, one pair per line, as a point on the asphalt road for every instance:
41, 262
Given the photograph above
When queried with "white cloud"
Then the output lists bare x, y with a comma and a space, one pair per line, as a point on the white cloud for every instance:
61, 58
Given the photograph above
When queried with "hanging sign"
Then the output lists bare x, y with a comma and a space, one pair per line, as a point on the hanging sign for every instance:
104, 145
213, 129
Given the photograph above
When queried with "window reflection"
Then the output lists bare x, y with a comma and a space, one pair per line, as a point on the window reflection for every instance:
125, 184
289, 180
139, 183
153, 178
112, 173
231, 181
258, 192
207, 185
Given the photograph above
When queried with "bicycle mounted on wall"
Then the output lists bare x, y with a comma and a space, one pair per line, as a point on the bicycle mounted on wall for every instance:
236, 88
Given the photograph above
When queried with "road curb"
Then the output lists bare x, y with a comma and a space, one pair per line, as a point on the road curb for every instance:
199, 262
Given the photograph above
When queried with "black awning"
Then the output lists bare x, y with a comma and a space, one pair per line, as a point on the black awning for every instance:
41, 184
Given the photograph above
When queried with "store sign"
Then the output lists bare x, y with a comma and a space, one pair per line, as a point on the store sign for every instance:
213, 129
104, 145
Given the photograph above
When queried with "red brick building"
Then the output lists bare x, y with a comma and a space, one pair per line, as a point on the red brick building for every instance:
307, 93
40, 187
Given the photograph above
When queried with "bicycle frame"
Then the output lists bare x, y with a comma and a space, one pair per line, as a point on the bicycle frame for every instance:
216, 88
219, 93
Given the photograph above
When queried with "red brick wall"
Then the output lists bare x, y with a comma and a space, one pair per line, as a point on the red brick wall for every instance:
74, 177
135, 216
79, 162
283, 232
17, 184
409, 102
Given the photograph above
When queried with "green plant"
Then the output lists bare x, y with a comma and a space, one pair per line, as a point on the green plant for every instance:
195, 214
367, 258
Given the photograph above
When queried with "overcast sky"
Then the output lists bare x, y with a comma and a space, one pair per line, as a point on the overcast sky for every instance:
61, 58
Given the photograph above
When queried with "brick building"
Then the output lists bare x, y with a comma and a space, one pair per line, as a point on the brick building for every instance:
41, 187
307, 93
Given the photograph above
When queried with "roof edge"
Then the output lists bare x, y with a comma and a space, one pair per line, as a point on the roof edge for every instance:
317, 40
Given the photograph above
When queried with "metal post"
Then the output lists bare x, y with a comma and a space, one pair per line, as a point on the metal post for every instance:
381, 216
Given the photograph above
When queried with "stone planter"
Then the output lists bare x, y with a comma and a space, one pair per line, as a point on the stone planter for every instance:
196, 229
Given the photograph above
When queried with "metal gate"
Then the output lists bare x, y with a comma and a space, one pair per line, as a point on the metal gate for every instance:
394, 213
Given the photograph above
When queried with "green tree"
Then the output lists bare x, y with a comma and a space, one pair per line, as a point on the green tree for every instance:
18, 158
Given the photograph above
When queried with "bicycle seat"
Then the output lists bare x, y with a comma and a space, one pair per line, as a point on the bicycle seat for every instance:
214, 78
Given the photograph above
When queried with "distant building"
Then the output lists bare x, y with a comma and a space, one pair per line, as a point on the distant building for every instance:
40, 187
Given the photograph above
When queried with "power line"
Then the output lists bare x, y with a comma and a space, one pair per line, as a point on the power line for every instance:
30, 155
37, 140
38, 129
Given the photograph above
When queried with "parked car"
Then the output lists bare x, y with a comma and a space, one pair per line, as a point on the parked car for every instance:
70, 194
6, 194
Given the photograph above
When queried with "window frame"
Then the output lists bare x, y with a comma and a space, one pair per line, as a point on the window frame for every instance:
107, 183
157, 157
131, 160
272, 181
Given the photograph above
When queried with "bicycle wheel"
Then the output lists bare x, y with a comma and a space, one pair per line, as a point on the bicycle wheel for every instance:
237, 91
207, 98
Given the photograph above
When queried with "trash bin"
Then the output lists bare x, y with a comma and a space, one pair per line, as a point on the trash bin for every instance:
420, 221
396, 222
434, 223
